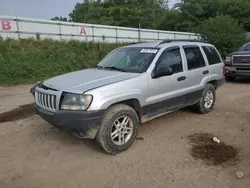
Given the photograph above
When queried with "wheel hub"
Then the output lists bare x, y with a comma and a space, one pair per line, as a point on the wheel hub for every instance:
209, 99
122, 130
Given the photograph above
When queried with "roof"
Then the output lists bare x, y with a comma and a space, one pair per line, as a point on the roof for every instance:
144, 44
246, 43
163, 43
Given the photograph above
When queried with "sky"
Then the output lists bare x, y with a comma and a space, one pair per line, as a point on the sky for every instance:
44, 9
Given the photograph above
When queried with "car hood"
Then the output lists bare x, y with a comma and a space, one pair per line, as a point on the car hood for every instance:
241, 53
87, 79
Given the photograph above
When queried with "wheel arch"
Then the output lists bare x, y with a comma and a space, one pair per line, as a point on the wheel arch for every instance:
133, 103
214, 83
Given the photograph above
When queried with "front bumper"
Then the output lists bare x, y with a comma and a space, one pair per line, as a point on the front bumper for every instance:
237, 71
82, 124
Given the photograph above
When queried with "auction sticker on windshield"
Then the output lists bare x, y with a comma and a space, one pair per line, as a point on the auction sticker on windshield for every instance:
153, 51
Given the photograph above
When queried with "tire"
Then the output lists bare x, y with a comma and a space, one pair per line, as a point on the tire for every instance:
200, 106
230, 78
113, 115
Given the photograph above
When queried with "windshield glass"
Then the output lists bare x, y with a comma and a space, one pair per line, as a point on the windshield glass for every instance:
246, 47
131, 59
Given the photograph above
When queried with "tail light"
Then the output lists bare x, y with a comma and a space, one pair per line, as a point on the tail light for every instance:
224, 69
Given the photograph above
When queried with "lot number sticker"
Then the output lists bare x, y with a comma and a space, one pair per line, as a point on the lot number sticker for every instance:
153, 51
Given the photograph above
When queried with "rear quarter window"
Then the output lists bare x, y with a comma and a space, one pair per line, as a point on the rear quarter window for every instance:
212, 55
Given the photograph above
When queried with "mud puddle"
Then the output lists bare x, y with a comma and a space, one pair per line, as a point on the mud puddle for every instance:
212, 153
21, 112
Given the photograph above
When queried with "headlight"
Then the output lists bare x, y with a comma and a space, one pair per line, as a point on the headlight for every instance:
75, 102
228, 59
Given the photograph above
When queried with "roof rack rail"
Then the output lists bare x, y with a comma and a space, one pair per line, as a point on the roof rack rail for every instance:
183, 40
136, 42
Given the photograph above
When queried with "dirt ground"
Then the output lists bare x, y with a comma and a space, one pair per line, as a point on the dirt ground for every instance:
34, 155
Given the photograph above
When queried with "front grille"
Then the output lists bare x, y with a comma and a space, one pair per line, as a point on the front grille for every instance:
243, 68
46, 101
243, 60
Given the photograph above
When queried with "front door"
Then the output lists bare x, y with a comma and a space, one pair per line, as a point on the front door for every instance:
165, 93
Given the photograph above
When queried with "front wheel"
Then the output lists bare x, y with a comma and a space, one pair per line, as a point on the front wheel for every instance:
207, 100
118, 129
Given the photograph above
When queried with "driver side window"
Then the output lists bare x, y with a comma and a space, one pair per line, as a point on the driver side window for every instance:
171, 58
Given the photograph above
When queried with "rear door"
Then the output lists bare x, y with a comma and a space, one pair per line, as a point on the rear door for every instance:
197, 70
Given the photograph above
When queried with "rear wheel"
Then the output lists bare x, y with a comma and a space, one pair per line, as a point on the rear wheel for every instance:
230, 78
207, 100
118, 129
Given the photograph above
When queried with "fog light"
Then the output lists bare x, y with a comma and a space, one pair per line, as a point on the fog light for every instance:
227, 71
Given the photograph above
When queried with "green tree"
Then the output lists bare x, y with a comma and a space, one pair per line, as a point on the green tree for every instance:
196, 11
240, 10
224, 32
128, 13
174, 20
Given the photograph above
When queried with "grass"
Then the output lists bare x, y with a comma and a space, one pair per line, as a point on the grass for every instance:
27, 60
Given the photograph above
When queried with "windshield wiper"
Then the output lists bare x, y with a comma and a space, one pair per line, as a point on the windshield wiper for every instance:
115, 68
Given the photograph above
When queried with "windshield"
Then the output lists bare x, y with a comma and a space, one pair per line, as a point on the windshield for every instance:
131, 59
246, 47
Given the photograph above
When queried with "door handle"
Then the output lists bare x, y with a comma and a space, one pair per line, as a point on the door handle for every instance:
206, 72
181, 78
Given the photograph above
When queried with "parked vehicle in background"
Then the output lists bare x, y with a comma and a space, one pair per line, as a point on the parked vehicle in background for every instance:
131, 85
238, 63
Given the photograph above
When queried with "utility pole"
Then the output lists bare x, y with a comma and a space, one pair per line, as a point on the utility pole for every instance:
139, 32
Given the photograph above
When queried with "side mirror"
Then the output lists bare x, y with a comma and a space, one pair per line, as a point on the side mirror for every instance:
162, 71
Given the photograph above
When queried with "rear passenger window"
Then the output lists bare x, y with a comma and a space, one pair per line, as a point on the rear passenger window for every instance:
212, 55
194, 58
171, 58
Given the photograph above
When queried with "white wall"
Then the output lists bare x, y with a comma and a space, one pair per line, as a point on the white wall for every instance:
19, 27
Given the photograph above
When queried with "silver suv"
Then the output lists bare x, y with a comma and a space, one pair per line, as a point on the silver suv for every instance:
131, 85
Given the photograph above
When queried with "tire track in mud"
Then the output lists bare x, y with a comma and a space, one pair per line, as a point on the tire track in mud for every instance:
22, 112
